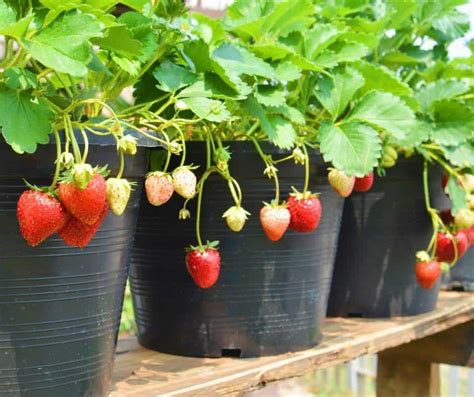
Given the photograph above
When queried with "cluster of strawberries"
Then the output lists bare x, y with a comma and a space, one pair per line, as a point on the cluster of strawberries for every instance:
76, 210
451, 245
76, 215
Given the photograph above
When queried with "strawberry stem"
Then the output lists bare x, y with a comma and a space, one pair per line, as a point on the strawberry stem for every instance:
75, 147
122, 164
306, 169
86, 144
433, 243
168, 153
58, 162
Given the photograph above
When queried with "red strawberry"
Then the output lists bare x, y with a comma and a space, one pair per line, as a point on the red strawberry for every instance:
204, 266
446, 216
84, 204
445, 251
427, 273
159, 188
365, 183
78, 234
444, 181
39, 216
305, 210
470, 235
274, 220
341, 183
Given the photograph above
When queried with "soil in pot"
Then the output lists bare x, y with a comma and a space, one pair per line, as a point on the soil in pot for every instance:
60, 306
271, 297
380, 234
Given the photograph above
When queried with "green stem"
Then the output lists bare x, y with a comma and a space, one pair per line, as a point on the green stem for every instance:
208, 172
168, 154
122, 164
58, 162
433, 244
306, 169
75, 147
68, 91
86, 145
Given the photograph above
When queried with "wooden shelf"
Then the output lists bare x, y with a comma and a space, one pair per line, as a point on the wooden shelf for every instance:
145, 373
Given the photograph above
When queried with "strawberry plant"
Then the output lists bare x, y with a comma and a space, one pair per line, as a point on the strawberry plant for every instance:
354, 81
63, 70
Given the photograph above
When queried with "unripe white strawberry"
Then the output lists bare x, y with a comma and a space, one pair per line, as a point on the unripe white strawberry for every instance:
236, 217
118, 194
184, 182
341, 183
159, 188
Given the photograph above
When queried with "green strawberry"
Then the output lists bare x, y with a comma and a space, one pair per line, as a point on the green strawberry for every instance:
236, 217
118, 194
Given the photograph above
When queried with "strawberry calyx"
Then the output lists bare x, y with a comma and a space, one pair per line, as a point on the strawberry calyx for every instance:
53, 192
303, 195
212, 245
158, 174
423, 256
275, 204
81, 174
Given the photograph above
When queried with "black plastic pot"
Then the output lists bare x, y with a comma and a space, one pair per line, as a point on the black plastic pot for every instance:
271, 297
60, 306
380, 234
461, 276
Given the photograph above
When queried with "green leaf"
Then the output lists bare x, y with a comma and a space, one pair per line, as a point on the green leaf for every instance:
211, 86
7, 15
287, 71
457, 195
20, 79
208, 109
377, 77
132, 67
385, 111
17, 29
173, 77
274, 51
64, 45
119, 39
279, 130
369, 40
282, 133
289, 112
215, 28
351, 147
270, 96
454, 123
137, 5
461, 156
197, 51
441, 89
319, 38
452, 24
240, 61
342, 52
141, 29
417, 134
25, 120
337, 91
399, 58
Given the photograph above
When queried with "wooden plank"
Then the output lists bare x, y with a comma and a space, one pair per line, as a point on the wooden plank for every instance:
144, 373
454, 346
